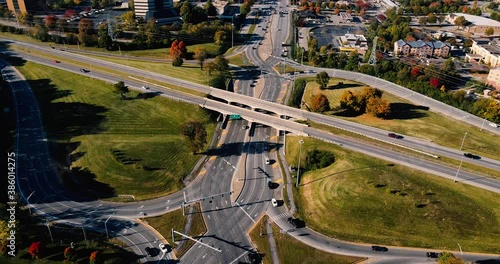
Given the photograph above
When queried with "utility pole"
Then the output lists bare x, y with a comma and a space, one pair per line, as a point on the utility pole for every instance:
105, 226
463, 140
50, 233
298, 167
458, 170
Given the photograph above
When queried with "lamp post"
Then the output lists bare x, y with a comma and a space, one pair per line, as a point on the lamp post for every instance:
461, 252
463, 140
458, 170
106, 226
298, 167
27, 200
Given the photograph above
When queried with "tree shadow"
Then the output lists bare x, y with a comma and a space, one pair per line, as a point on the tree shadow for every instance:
84, 181
147, 95
405, 111
342, 85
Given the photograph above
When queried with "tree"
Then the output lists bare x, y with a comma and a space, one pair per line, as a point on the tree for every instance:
121, 89
196, 135
378, 107
178, 61
104, 40
178, 49
319, 103
40, 32
489, 31
220, 36
434, 82
460, 21
69, 253
322, 79
200, 54
350, 102
443, 88
25, 18
35, 249
318, 159
219, 64
94, 257
210, 9
50, 21
85, 29
186, 12
129, 20
245, 9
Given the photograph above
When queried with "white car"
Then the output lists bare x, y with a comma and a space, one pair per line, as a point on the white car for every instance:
163, 248
145, 87
274, 202
493, 125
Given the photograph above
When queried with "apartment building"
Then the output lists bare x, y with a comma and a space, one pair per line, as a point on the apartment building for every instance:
422, 48
494, 78
485, 51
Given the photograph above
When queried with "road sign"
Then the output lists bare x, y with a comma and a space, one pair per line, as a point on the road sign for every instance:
234, 117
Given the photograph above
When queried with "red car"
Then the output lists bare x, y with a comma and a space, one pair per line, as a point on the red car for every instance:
55, 61
392, 135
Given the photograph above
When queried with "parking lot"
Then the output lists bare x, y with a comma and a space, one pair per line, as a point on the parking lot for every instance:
327, 35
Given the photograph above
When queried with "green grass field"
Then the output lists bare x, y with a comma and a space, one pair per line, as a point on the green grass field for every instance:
239, 59
130, 147
290, 250
175, 220
416, 122
364, 199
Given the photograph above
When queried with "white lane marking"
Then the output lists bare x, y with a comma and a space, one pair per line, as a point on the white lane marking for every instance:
141, 206
226, 202
238, 257
245, 212
168, 201
204, 255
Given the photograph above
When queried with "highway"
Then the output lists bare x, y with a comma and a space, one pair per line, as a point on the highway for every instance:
49, 197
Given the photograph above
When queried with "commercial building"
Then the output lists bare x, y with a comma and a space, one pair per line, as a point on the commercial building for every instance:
161, 10
485, 51
477, 24
352, 42
23, 6
422, 48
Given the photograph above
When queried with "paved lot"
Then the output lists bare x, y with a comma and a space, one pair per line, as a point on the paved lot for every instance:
327, 35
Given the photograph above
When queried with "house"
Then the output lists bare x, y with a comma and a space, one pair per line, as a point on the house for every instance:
422, 48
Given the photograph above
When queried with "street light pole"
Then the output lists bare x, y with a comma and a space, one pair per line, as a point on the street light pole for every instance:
463, 140
298, 167
27, 200
461, 252
458, 170
105, 225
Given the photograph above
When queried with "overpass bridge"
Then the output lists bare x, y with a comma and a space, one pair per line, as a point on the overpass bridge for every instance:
252, 116
256, 103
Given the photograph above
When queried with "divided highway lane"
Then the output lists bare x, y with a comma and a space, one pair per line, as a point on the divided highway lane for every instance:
478, 181
377, 133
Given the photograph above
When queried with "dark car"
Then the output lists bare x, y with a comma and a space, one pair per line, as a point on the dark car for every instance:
297, 223
379, 248
432, 255
471, 156
392, 135
84, 70
270, 184
149, 251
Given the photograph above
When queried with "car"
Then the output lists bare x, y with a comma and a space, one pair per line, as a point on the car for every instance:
163, 247
392, 135
270, 184
84, 70
268, 161
149, 251
471, 156
274, 202
145, 87
379, 248
55, 61
494, 125
244, 127
297, 223
433, 254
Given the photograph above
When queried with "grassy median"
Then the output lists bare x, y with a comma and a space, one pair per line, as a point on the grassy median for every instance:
117, 147
363, 199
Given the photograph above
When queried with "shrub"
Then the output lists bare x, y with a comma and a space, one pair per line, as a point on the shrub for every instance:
317, 159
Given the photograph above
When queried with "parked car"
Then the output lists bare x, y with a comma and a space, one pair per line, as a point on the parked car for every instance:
145, 87
379, 248
55, 61
270, 184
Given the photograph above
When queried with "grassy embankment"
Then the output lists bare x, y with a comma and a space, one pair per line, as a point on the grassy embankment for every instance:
290, 250
363, 199
414, 121
128, 147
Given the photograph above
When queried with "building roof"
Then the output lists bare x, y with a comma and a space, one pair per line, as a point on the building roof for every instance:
419, 44
478, 20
